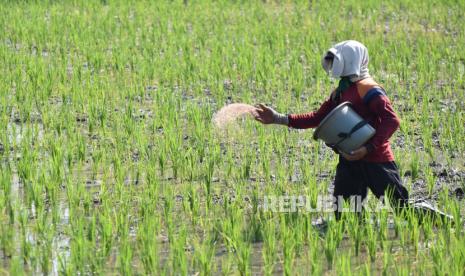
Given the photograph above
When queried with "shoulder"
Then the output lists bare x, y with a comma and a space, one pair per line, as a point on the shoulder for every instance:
369, 89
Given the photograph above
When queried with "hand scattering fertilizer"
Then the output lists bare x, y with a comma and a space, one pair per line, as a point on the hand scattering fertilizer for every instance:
344, 129
231, 112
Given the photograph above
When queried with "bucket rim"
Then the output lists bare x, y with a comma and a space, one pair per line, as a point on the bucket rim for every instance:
325, 119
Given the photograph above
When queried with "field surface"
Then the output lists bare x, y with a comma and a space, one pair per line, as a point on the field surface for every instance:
110, 162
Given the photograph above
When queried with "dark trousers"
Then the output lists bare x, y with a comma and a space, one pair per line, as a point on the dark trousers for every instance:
354, 178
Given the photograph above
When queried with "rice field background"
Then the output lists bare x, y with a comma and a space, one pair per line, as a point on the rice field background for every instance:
110, 163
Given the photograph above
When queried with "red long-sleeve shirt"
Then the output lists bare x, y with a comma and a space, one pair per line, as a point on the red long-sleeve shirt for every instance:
372, 104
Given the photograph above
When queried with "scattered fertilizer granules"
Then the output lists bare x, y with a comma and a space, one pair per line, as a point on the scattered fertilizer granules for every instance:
230, 113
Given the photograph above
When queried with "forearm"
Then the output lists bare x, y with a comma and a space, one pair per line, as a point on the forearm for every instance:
303, 120
310, 119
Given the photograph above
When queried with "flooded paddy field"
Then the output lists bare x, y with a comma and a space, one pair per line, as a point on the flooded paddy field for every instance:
112, 162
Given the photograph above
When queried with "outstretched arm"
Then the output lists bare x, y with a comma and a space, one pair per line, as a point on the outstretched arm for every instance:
311, 119
267, 115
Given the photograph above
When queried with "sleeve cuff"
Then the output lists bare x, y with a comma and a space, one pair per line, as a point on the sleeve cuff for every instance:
282, 119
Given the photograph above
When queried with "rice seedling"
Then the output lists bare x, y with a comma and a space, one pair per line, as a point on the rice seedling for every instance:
332, 240
371, 240
289, 245
270, 249
204, 256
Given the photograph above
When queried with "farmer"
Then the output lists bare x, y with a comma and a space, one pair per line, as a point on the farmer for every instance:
371, 166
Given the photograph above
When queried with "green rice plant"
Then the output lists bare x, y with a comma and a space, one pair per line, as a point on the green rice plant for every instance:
430, 180
367, 268
388, 258
414, 233
16, 268
247, 166
232, 233
269, 253
7, 231
427, 225
314, 244
26, 246
106, 234
343, 264
415, 166
227, 265
438, 257
125, 256
204, 255
77, 247
8, 203
355, 229
402, 270
383, 216
289, 247
192, 204
371, 240
243, 251
332, 240
45, 238
457, 256
178, 255
457, 220
210, 167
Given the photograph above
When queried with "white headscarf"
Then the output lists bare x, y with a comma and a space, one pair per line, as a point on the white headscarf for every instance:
350, 59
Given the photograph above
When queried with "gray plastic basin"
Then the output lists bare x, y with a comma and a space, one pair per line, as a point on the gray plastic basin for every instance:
342, 120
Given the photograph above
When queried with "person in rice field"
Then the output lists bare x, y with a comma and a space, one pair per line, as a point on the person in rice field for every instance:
371, 166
